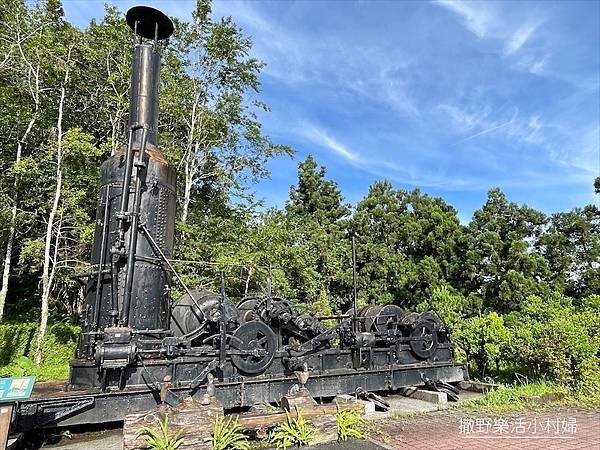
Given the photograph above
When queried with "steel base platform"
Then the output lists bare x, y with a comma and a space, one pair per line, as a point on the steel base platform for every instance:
52, 406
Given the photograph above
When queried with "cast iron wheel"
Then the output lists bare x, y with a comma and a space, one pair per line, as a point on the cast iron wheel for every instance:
389, 318
257, 338
246, 308
424, 339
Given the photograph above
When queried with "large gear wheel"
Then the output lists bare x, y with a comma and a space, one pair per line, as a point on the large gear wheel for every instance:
424, 338
259, 341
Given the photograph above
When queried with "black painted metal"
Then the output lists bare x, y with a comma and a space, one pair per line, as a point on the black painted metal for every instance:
132, 348
112, 406
149, 23
143, 102
150, 289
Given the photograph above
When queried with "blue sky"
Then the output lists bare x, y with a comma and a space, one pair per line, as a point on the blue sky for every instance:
448, 96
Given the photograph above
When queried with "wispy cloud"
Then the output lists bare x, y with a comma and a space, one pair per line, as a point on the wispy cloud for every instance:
485, 20
515, 41
323, 139
464, 120
486, 131
476, 18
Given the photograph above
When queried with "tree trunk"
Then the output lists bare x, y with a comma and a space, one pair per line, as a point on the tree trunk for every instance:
47, 262
115, 121
46, 279
12, 228
248, 277
190, 162
187, 190
8, 257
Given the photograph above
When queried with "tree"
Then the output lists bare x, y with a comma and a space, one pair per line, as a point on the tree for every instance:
23, 34
106, 54
209, 81
316, 211
314, 196
501, 263
63, 40
407, 244
572, 247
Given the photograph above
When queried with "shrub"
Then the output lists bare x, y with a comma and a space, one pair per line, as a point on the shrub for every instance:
161, 439
350, 424
484, 340
294, 431
228, 435
17, 347
553, 339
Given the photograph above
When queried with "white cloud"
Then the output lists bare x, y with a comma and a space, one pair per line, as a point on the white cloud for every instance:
463, 120
537, 67
519, 38
485, 131
476, 18
320, 137
486, 21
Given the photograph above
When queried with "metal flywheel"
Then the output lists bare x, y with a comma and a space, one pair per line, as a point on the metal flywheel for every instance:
256, 344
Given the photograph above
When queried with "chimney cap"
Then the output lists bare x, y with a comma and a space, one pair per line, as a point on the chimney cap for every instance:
147, 19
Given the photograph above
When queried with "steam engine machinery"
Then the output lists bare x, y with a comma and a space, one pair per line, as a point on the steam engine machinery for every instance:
139, 348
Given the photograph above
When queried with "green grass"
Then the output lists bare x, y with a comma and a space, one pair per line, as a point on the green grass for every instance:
17, 348
537, 395
228, 435
350, 424
294, 432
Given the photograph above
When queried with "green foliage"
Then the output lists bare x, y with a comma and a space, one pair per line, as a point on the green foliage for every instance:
485, 340
227, 435
518, 397
294, 431
315, 196
449, 304
554, 339
587, 388
162, 439
499, 263
407, 245
350, 424
17, 342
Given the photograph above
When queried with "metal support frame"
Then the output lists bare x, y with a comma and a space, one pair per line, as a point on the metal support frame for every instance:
113, 406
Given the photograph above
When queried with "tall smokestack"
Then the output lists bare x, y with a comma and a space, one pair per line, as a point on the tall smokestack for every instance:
143, 103
151, 24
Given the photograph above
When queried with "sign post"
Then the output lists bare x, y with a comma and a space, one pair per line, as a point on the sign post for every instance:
11, 390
